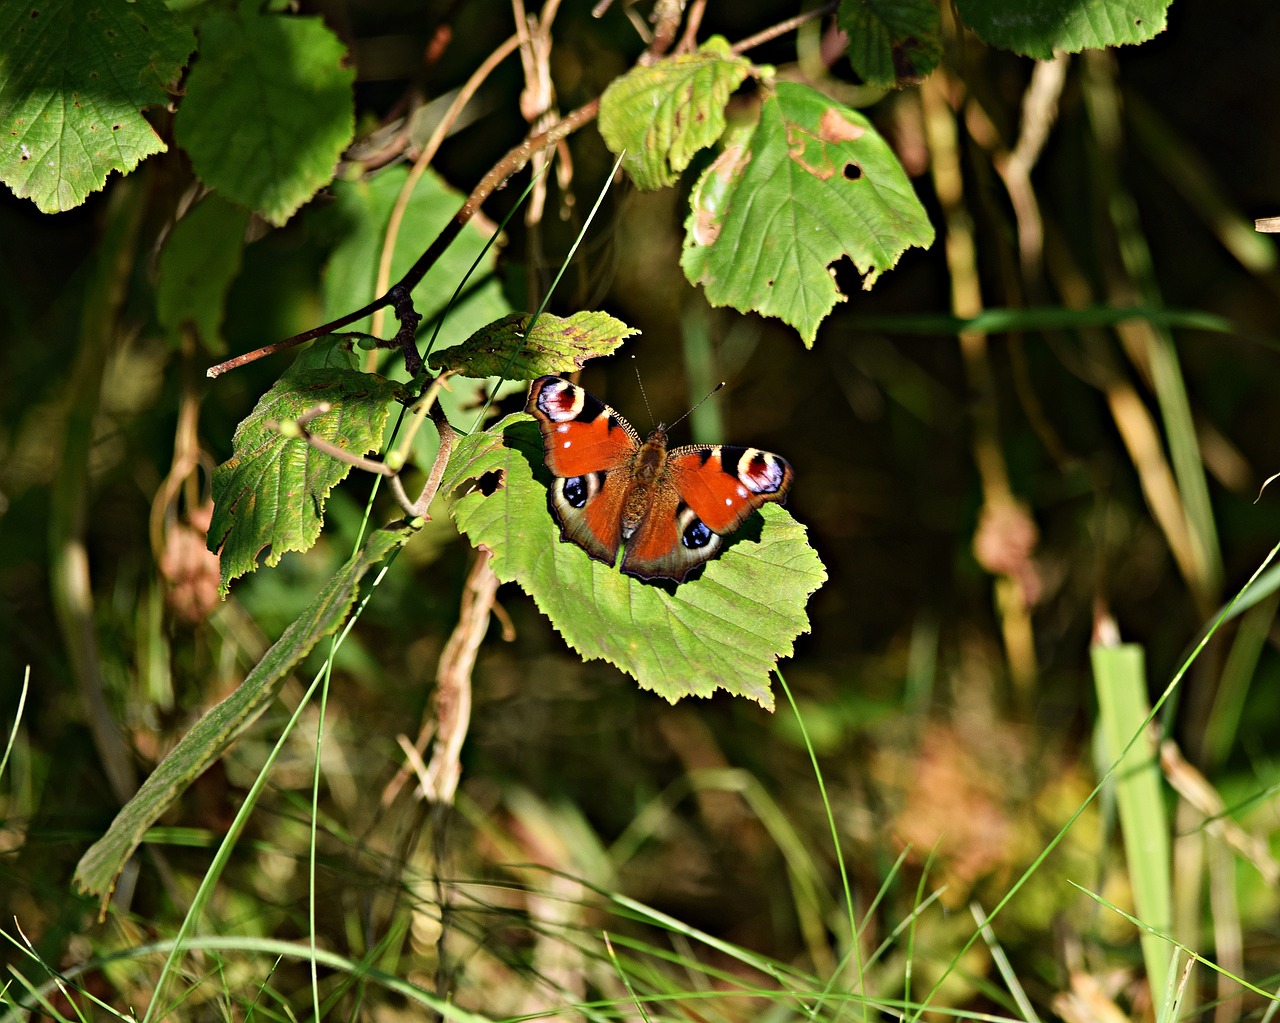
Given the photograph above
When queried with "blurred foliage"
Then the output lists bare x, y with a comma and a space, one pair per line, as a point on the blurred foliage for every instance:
983, 503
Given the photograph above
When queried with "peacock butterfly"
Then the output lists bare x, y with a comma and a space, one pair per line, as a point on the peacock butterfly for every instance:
670, 509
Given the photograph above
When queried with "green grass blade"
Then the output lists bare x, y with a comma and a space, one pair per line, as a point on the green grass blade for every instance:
1120, 680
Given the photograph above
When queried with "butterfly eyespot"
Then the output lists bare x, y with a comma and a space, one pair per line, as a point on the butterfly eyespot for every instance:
576, 491
696, 535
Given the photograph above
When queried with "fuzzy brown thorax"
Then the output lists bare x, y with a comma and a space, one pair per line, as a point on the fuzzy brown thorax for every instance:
649, 462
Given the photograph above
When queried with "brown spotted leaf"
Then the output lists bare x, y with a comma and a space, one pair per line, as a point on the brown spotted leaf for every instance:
811, 183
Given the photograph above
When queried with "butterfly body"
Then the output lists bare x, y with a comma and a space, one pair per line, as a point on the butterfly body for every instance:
667, 509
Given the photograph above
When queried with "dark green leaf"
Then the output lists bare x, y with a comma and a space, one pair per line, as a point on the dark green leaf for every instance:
892, 42
1039, 27
217, 729
661, 115
362, 211
199, 260
270, 493
812, 183
74, 78
726, 629
558, 344
268, 109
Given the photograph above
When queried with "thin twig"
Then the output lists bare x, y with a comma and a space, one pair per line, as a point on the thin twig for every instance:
783, 27
693, 22
426, 156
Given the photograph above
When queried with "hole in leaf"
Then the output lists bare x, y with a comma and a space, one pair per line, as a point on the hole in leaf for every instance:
489, 482
852, 172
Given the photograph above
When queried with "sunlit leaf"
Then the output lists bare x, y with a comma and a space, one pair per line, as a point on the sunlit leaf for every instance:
217, 729
725, 629
1039, 27
268, 109
270, 494
812, 183
74, 78
557, 344
661, 115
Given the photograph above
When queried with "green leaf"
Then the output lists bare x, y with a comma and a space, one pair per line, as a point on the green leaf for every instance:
199, 260
217, 729
891, 42
361, 213
725, 629
271, 492
663, 114
74, 78
268, 109
813, 182
1039, 27
558, 344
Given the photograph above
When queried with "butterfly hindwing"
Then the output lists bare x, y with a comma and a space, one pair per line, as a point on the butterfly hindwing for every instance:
670, 542
725, 483
589, 511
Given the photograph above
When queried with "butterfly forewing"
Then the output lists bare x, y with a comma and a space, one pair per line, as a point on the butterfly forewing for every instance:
580, 433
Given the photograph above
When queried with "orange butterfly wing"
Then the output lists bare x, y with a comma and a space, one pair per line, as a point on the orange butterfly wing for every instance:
706, 493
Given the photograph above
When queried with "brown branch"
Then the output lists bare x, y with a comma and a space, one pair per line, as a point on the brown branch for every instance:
692, 23
453, 682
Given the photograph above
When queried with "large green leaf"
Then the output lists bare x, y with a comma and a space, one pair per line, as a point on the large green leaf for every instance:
268, 109
270, 494
726, 629
661, 115
1039, 27
74, 78
200, 258
557, 344
891, 42
218, 728
813, 182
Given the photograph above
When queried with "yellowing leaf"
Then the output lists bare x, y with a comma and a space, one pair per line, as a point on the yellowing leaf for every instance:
557, 344
663, 114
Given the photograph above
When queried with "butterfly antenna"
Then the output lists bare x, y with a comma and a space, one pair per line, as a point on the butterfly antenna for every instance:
695, 407
642, 392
